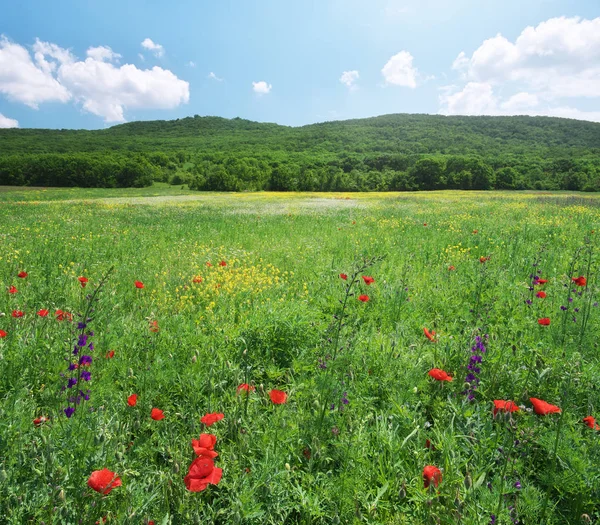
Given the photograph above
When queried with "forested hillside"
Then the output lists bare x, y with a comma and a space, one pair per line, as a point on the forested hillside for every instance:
390, 152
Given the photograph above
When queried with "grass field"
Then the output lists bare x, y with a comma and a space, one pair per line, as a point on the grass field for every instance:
361, 419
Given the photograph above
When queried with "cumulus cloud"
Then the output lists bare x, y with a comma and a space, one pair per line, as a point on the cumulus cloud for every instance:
6, 122
399, 70
157, 49
349, 78
100, 86
22, 80
556, 60
262, 88
212, 76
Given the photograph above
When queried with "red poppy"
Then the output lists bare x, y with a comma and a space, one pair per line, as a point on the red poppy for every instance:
197, 279
428, 444
103, 481
12, 290
3, 334
278, 397
482, 259
201, 473
132, 400
18, 313
433, 475
157, 414
139, 284
205, 446
541, 408
211, 419
439, 375
61, 316
424, 224
222, 263
343, 276
579, 281
429, 335
544, 321
541, 281
110, 354
83, 281
39, 420
504, 406
208, 264
43, 313
475, 232
245, 386
368, 280
541, 294
451, 268
154, 326
22, 275
591, 422
363, 298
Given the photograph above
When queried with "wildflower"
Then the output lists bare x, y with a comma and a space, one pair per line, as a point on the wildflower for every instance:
103, 481
429, 335
245, 386
483, 259
368, 280
363, 298
343, 276
197, 279
201, 473
451, 268
211, 419
132, 400
22, 274
278, 397
157, 414
69, 411
17, 313
433, 475
541, 408
208, 264
424, 224
43, 313
154, 326
518, 485
475, 232
545, 321
591, 422
110, 354
477, 351
39, 420
85, 360
139, 284
222, 263
3, 334
204, 446
504, 406
439, 375
12, 290
540, 281
579, 281
83, 281
61, 316
541, 294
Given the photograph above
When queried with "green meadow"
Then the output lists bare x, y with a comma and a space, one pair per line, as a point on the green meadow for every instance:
245, 288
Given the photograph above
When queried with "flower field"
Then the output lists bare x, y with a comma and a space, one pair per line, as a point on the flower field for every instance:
177, 357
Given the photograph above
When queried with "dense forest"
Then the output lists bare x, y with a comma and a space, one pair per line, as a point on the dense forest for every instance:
391, 152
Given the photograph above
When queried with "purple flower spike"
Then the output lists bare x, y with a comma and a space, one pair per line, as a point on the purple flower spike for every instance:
69, 411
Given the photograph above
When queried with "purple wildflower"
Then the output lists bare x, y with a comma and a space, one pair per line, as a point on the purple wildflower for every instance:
81, 326
86, 376
477, 351
85, 360
72, 382
69, 411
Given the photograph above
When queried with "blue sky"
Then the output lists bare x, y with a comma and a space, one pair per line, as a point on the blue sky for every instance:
81, 63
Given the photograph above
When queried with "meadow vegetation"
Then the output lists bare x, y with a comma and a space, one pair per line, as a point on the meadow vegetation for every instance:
314, 336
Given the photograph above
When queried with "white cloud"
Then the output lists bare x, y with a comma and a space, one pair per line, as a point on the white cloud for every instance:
6, 122
477, 98
23, 81
349, 78
399, 70
101, 87
262, 88
102, 53
212, 76
191, 63
157, 49
556, 60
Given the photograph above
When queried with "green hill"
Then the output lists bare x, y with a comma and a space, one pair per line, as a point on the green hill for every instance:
416, 151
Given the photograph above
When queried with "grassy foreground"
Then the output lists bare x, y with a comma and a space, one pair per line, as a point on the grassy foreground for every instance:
361, 418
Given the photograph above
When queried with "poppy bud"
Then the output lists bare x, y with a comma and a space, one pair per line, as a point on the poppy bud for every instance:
61, 495
468, 481
130, 372
194, 359
287, 466
3, 475
402, 491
